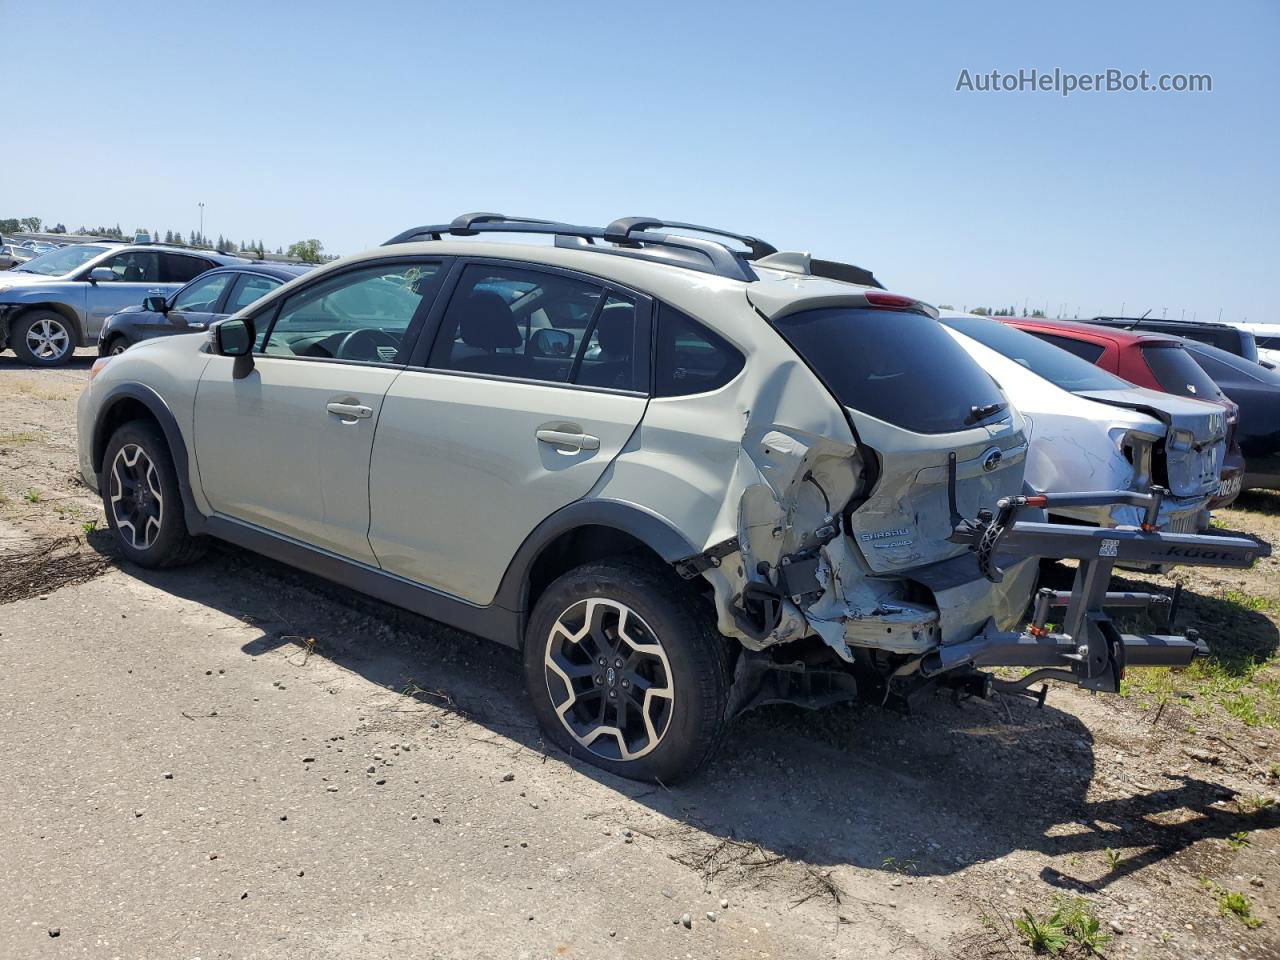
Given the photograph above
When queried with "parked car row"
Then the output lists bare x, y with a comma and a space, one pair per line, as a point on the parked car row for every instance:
683, 472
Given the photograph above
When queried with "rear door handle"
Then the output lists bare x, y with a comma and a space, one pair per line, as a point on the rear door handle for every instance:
354, 411
561, 438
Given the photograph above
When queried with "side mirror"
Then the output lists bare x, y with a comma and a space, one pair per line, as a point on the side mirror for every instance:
101, 275
550, 342
156, 304
234, 338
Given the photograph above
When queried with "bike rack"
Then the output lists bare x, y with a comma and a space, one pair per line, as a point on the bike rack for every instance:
1089, 650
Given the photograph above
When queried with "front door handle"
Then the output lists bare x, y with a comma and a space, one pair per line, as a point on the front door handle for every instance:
351, 411
561, 438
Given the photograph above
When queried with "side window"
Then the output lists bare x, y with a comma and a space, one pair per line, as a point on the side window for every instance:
612, 354
249, 288
202, 296
512, 322
1083, 349
690, 358
136, 266
179, 267
356, 315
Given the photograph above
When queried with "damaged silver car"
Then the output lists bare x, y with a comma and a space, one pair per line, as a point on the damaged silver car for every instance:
683, 472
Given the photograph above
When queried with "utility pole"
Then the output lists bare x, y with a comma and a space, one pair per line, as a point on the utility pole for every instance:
1184, 313
1219, 314
201, 206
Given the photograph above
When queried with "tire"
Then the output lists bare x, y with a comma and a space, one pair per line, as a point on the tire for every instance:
116, 346
668, 645
43, 338
150, 529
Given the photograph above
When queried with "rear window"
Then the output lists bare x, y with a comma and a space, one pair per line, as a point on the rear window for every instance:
902, 368
1177, 372
1046, 360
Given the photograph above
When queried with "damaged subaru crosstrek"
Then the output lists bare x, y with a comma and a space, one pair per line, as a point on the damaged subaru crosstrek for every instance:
683, 472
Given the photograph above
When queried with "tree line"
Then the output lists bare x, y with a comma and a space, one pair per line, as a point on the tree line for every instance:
308, 251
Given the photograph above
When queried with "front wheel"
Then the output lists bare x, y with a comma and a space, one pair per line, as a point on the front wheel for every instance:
626, 669
141, 497
43, 338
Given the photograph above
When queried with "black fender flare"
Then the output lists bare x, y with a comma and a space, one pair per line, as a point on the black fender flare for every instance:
658, 534
159, 409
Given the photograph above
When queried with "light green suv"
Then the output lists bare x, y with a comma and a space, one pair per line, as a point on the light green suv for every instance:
684, 473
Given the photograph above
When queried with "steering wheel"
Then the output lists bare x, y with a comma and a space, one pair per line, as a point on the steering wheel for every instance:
363, 344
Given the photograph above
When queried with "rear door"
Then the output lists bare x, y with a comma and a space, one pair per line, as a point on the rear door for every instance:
534, 382
286, 448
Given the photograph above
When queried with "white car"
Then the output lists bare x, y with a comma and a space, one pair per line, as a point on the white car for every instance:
1090, 430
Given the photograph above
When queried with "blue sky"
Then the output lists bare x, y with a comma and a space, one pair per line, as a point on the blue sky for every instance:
834, 128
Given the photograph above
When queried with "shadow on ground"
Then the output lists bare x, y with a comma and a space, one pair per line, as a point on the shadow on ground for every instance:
955, 783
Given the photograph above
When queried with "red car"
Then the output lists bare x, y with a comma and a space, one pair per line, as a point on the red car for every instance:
1153, 360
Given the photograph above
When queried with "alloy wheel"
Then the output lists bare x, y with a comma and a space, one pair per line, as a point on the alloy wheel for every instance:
137, 505
48, 339
609, 679
118, 348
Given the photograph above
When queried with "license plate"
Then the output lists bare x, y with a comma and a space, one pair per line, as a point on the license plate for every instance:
1230, 487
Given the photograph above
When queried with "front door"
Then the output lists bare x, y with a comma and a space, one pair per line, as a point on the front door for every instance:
287, 447
536, 381
192, 308
137, 276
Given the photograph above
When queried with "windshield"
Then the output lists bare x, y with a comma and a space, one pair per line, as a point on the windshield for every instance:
1176, 372
899, 367
1054, 364
58, 262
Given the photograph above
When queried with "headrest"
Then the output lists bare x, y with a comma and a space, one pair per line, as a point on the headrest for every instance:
487, 323
616, 329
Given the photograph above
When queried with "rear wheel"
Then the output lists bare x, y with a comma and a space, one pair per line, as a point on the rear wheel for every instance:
43, 338
141, 497
626, 669
117, 346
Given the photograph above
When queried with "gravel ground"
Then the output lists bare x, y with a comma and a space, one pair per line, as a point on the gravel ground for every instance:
236, 760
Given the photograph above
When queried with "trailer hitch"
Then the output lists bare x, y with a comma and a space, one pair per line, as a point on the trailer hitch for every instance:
1088, 650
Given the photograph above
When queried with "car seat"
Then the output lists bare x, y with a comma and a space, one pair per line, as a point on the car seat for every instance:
616, 334
488, 326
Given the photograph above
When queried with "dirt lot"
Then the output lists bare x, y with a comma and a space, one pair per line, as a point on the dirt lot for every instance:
234, 760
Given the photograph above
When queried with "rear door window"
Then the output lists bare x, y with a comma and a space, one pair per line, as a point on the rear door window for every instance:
510, 321
1178, 373
896, 366
1084, 349
179, 268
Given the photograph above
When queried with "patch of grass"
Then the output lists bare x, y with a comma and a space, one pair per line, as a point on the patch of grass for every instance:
1238, 841
1231, 903
1081, 924
32, 495
898, 866
1113, 859
1254, 802
17, 439
1073, 921
1250, 692
89, 526
1042, 936
1249, 601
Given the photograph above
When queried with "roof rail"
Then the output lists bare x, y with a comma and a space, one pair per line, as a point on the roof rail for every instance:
620, 232
637, 242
